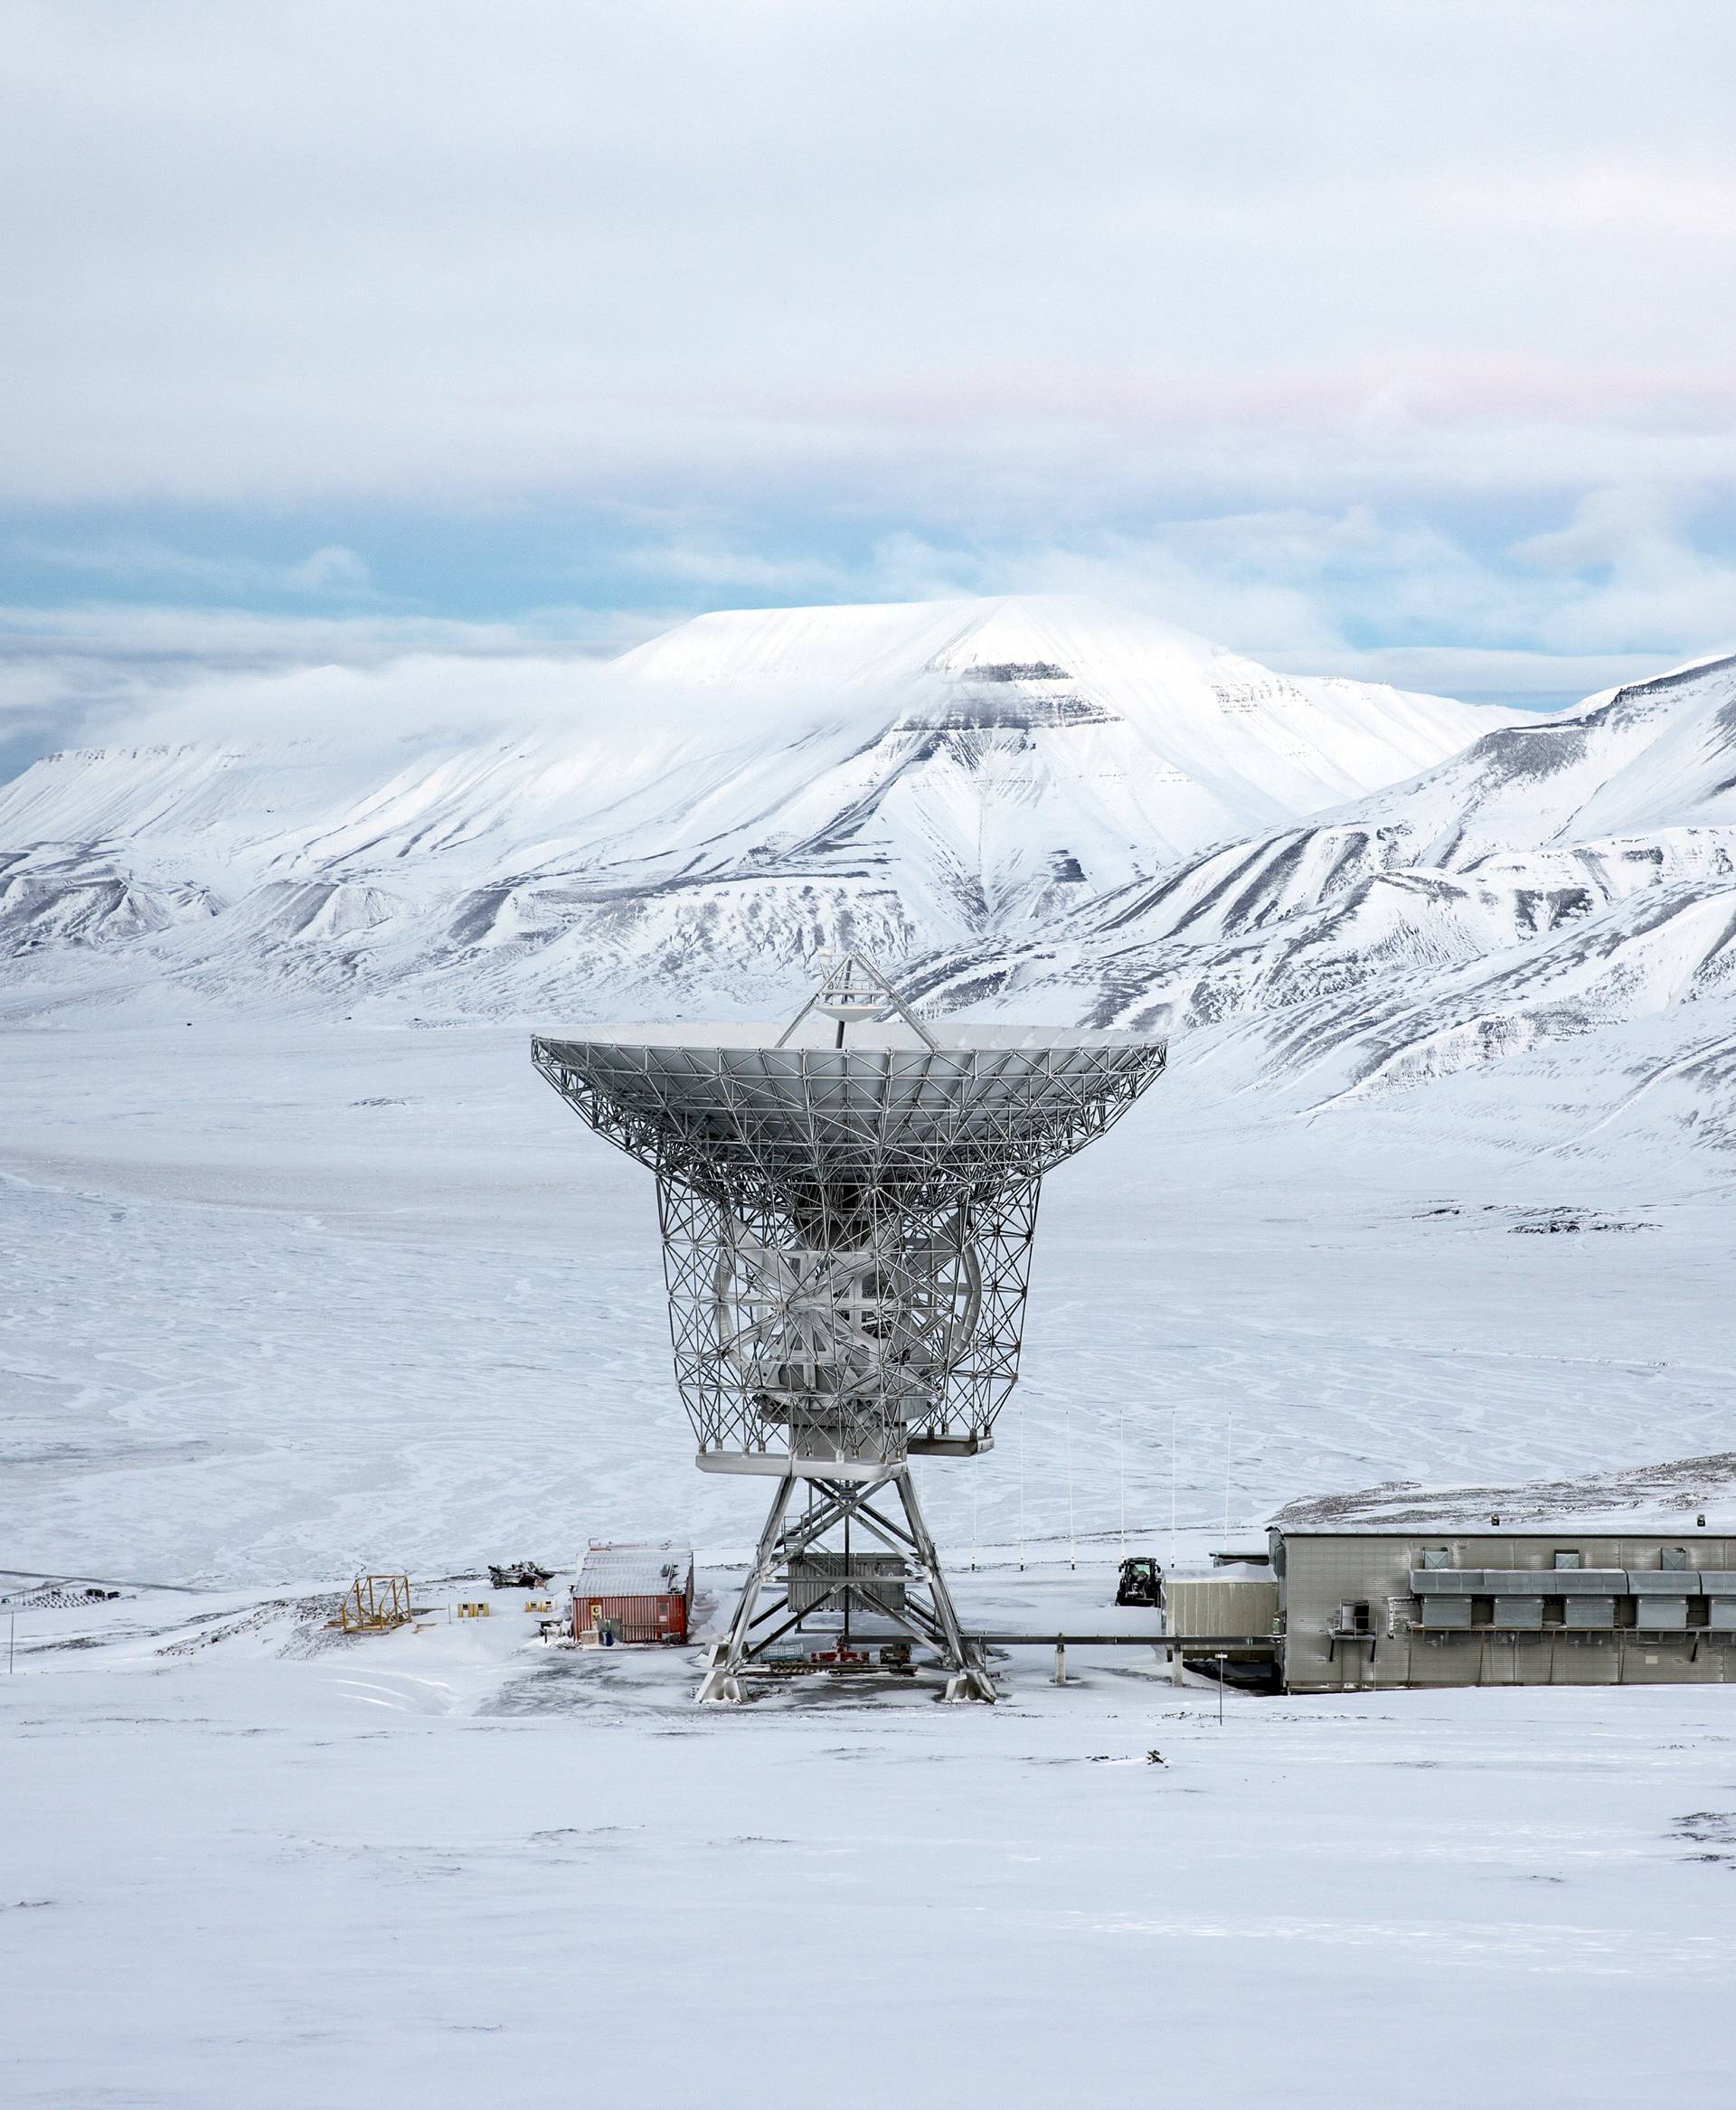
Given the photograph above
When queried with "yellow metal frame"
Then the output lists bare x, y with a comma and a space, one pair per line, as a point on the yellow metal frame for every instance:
375, 1603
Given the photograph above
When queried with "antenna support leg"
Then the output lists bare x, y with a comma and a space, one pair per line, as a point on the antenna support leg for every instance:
722, 1681
928, 1614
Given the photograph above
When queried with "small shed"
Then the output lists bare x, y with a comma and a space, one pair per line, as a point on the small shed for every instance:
633, 1593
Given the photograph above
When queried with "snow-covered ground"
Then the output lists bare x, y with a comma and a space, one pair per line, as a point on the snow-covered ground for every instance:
289, 1301
1437, 1190
305, 1299
448, 1867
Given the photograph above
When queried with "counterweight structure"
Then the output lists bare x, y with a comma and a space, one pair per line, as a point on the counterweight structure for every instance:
846, 1235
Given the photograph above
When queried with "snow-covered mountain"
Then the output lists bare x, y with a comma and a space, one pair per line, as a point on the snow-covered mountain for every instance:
1555, 878
1044, 804
723, 801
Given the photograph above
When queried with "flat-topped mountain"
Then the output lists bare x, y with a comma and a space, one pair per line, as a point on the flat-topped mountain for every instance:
717, 803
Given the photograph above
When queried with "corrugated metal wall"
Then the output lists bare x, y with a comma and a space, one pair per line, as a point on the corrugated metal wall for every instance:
1206, 1605
661, 1618
1492, 1609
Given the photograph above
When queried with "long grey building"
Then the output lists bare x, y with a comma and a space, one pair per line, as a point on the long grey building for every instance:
1363, 1606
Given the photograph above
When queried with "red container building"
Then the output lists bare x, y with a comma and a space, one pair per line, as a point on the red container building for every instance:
633, 1593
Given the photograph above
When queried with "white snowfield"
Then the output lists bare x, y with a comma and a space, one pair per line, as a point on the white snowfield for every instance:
1435, 1195
307, 1301
447, 1867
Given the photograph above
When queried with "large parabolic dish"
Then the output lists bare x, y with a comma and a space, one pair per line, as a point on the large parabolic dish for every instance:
847, 1208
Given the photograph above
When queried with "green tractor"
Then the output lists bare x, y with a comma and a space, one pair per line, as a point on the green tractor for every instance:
1141, 1582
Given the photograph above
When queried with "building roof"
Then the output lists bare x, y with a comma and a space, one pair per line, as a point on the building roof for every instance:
1664, 1498
634, 1571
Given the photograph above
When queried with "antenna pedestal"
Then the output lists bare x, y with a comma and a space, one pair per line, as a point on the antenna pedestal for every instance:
900, 1583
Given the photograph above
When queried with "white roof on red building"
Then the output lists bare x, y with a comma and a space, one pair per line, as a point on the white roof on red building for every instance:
635, 1571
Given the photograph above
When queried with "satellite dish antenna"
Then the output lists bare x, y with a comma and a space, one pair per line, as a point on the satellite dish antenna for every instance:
846, 1234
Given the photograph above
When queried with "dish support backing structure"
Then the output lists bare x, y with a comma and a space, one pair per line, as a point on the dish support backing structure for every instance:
846, 1238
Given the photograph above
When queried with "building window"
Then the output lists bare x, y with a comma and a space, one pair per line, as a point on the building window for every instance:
1674, 1557
1434, 1556
1565, 1558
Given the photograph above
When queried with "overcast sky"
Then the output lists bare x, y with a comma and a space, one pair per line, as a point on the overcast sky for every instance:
1393, 339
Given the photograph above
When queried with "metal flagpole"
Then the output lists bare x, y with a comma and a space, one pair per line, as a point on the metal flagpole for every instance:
1072, 1543
1021, 1489
1171, 1487
1229, 1437
1121, 1473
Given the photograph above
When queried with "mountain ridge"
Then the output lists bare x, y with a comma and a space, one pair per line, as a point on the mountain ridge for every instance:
1039, 806
928, 773
1439, 925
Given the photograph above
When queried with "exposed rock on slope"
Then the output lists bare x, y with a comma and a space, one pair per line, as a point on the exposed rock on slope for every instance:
58, 893
1551, 880
1040, 804
735, 796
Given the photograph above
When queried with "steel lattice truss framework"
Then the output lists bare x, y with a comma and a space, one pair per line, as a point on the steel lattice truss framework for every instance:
925, 1612
847, 1233
846, 1239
